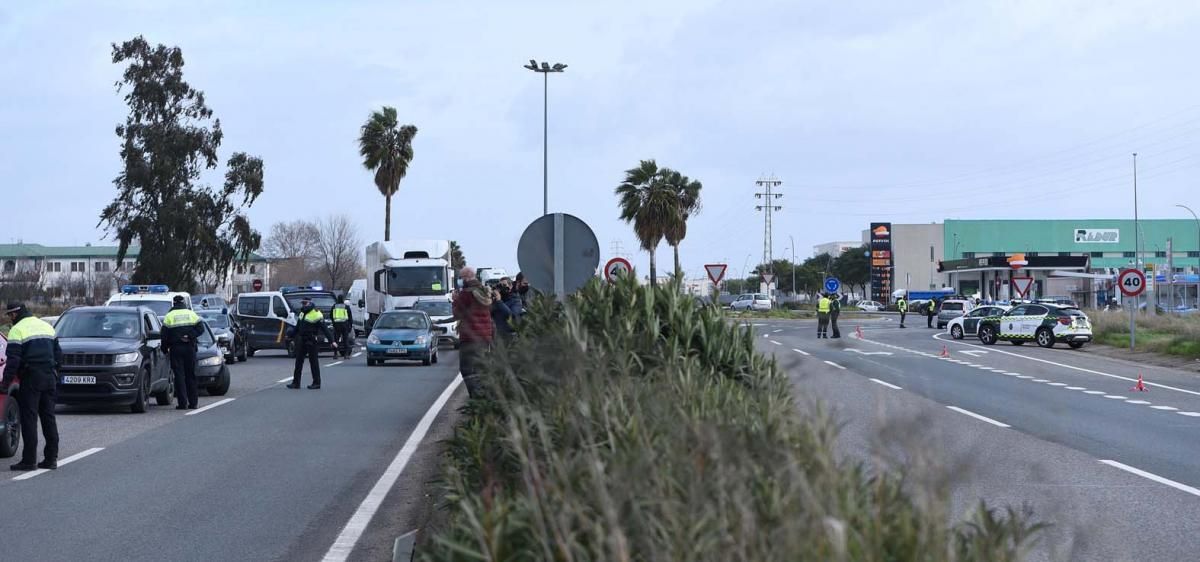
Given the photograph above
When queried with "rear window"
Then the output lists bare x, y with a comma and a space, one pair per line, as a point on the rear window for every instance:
952, 306
761, 297
1071, 312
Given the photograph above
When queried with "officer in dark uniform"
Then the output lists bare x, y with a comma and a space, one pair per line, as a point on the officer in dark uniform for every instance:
310, 323
835, 310
343, 322
33, 356
181, 331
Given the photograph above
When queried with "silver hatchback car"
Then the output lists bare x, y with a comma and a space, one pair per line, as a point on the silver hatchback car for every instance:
751, 301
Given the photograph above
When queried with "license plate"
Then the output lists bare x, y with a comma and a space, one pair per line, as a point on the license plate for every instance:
397, 351
78, 380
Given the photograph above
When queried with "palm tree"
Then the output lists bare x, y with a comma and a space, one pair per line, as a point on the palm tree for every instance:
687, 191
650, 205
386, 148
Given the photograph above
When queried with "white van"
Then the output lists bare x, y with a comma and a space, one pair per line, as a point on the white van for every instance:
159, 298
356, 300
265, 317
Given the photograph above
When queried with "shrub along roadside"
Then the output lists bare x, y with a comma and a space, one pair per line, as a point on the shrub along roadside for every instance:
1167, 334
631, 425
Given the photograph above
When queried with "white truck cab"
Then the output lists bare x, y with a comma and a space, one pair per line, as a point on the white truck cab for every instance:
403, 271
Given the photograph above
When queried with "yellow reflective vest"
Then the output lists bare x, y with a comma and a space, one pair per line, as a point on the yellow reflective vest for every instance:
823, 305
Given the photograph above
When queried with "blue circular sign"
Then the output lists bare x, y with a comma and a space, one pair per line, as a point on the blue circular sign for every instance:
832, 284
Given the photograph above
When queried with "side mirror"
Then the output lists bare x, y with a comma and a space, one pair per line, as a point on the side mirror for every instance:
154, 335
362, 303
224, 311
291, 316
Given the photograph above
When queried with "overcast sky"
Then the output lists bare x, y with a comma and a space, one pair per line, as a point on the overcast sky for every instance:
867, 110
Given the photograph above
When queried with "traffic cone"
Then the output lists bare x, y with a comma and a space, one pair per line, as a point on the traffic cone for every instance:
1140, 386
858, 332
945, 353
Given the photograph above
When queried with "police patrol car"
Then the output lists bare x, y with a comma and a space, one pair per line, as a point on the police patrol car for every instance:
1043, 323
158, 298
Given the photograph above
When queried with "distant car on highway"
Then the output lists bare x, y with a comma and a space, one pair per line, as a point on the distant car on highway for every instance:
869, 306
113, 354
10, 412
228, 331
968, 324
441, 312
950, 309
1045, 324
751, 301
407, 335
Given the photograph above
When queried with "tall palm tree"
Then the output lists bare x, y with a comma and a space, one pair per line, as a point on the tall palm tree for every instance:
650, 205
386, 148
687, 191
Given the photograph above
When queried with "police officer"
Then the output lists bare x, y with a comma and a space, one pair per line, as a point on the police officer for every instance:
343, 322
835, 309
823, 306
930, 312
181, 331
902, 304
308, 325
33, 356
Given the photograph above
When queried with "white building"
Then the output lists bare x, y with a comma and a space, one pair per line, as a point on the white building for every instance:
834, 249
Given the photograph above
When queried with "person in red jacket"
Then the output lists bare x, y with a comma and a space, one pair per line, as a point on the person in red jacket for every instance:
473, 310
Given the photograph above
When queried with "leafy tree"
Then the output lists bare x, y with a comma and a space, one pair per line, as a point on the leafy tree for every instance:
386, 148
457, 260
687, 191
185, 228
650, 205
853, 267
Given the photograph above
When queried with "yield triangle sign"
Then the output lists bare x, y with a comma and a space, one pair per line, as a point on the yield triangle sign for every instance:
1021, 285
716, 272
768, 278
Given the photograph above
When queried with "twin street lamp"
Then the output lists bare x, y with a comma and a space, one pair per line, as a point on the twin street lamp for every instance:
545, 69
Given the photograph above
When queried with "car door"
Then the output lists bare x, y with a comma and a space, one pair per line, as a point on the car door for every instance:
972, 319
160, 365
1034, 315
1011, 322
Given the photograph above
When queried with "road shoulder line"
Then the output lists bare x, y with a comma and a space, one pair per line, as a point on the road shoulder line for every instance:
61, 463
1153, 477
979, 417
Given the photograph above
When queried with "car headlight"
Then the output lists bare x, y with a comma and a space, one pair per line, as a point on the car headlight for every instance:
211, 361
373, 338
131, 358
422, 339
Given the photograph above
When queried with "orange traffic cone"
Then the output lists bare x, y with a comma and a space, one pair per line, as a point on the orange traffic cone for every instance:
858, 332
945, 353
1140, 386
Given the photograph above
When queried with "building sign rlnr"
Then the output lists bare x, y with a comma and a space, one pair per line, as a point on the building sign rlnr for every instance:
1097, 236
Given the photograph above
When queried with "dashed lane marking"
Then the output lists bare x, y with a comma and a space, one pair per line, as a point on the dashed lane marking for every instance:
61, 463
1093, 392
335, 364
1189, 414
289, 379
887, 384
1116, 397
1165, 408
775, 342
835, 365
978, 417
1076, 388
800, 351
210, 406
356, 354
1138, 402
1057, 384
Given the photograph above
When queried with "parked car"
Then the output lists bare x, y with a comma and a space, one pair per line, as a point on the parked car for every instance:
441, 312
751, 301
228, 331
869, 306
1046, 324
212, 373
10, 412
950, 309
208, 301
407, 335
968, 324
1061, 301
113, 354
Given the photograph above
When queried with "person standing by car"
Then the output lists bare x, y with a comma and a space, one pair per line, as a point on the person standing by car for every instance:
930, 312
181, 331
473, 310
902, 305
835, 309
343, 322
308, 325
823, 306
33, 356
522, 289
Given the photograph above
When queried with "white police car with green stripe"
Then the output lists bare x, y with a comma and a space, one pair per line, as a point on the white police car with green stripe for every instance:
1045, 324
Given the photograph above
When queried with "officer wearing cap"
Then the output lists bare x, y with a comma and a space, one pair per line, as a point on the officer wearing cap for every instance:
181, 331
309, 323
33, 357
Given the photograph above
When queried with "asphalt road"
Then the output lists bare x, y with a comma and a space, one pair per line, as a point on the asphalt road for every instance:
265, 473
1117, 471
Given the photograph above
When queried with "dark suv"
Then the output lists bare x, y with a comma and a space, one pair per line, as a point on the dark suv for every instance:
113, 354
10, 414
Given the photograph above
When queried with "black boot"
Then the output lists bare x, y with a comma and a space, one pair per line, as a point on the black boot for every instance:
49, 464
23, 467
293, 386
314, 387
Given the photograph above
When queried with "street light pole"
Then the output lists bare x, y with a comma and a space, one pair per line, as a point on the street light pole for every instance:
1189, 209
545, 69
790, 239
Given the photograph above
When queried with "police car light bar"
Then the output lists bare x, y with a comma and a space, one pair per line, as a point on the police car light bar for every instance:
139, 289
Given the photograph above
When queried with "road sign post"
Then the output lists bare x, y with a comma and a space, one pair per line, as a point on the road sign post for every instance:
558, 253
1132, 282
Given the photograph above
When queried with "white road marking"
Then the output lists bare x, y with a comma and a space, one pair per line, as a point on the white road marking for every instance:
766, 335
1014, 374
68, 460
335, 364
861, 352
1154, 477
1057, 384
1076, 388
348, 537
777, 331
1026, 377
1115, 397
974, 353
887, 384
1093, 392
1165, 408
1081, 369
1040, 380
832, 364
1138, 402
978, 417
775, 342
800, 351
210, 406
289, 379
972, 365
356, 354
1189, 414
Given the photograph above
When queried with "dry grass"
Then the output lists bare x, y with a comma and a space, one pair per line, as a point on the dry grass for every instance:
1162, 333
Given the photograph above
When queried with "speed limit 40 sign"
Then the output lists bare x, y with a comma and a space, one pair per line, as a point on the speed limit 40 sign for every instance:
1132, 282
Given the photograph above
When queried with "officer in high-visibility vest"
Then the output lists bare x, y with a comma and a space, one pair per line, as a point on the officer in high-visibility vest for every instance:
181, 332
343, 322
902, 304
823, 306
33, 358
930, 312
309, 323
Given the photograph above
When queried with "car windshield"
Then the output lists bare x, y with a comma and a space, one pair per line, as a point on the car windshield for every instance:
206, 338
401, 321
435, 308
160, 308
99, 324
410, 281
323, 303
207, 301
216, 320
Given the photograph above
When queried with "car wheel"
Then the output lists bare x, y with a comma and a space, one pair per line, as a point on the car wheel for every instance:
428, 360
987, 335
956, 332
10, 442
164, 398
250, 351
1075, 344
435, 356
142, 402
222, 385
245, 352
1045, 338
457, 344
